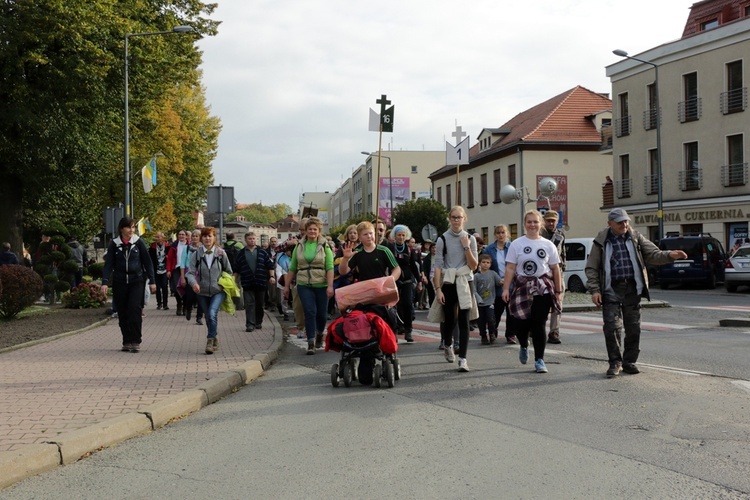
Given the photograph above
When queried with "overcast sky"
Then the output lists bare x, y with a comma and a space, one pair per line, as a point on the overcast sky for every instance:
292, 80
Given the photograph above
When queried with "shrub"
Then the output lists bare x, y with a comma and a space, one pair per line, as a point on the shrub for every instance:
84, 296
21, 288
69, 267
58, 256
62, 286
96, 270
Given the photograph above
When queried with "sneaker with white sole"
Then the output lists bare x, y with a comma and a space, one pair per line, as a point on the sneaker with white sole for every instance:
463, 366
540, 366
449, 356
523, 355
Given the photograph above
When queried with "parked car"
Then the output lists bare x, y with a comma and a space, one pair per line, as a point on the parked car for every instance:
577, 251
705, 262
737, 269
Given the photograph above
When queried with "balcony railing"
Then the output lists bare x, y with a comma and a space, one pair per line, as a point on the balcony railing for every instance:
690, 109
622, 126
623, 188
649, 118
606, 134
734, 175
651, 184
691, 180
734, 100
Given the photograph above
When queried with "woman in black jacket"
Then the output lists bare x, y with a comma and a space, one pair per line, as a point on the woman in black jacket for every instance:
129, 264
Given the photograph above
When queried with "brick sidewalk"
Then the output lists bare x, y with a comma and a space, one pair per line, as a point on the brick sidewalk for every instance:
81, 379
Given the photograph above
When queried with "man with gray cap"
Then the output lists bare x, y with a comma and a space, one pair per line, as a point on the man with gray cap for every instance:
557, 237
617, 279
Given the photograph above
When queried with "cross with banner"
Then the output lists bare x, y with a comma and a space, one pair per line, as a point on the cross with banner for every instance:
458, 155
380, 123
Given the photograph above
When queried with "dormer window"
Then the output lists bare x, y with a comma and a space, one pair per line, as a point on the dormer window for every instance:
710, 24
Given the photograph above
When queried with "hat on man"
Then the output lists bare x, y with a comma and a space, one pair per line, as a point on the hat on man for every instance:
551, 215
618, 215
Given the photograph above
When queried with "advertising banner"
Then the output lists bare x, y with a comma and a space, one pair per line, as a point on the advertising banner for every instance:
558, 201
397, 193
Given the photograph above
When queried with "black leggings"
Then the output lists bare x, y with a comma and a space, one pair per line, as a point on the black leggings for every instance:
454, 315
536, 325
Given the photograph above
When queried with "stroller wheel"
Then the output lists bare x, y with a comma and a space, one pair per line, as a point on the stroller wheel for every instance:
347, 374
377, 375
389, 374
335, 375
355, 366
396, 369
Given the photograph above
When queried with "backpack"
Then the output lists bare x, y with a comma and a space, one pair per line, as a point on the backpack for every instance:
355, 327
231, 249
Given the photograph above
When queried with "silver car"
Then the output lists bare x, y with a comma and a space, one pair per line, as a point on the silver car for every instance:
737, 269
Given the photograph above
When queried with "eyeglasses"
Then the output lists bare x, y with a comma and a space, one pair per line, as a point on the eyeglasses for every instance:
456, 217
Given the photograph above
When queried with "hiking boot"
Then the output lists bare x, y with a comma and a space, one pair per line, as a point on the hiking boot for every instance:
614, 369
135, 347
408, 337
553, 338
630, 368
216, 343
523, 355
485, 340
449, 356
540, 366
310, 348
511, 340
493, 338
463, 366
319, 341
179, 311
210, 346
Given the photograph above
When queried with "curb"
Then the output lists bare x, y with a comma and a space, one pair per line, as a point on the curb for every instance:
591, 307
72, 446
54, 337
734, 322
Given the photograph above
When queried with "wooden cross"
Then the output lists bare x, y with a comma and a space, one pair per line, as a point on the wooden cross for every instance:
383, 103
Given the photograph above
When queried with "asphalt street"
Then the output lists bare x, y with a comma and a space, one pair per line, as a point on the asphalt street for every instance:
499, 431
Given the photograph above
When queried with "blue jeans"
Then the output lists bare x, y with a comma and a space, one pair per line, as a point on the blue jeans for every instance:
315, 303
211, 306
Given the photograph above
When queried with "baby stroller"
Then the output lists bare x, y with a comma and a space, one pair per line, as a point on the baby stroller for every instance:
361, 334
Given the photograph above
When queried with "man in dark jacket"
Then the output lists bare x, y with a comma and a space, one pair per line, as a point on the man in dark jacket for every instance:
256, 271
7, 257
617, 279
159, 252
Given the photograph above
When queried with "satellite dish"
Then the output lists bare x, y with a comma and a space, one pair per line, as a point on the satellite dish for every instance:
429, 232
509, 194
547, 186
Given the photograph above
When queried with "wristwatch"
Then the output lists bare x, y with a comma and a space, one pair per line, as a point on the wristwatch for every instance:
466, 248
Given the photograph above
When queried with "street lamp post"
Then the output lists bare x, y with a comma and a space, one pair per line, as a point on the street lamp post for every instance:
176, 29
659, 196
390, 185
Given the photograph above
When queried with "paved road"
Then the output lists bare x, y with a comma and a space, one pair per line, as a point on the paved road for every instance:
498, 431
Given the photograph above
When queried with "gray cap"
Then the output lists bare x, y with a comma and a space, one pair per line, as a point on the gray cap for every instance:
618, 215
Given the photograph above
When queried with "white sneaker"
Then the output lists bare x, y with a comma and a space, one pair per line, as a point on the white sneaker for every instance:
463, 366
449, 357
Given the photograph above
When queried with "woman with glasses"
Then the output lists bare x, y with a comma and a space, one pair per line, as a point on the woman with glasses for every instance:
455, 260
497, 250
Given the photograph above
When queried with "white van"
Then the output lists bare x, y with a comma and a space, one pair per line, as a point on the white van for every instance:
577, 251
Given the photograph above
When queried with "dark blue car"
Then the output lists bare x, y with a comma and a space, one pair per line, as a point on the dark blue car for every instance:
704, 265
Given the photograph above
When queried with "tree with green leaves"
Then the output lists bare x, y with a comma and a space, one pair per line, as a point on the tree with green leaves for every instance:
262, 214
61, 107
335, 231
417, 213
